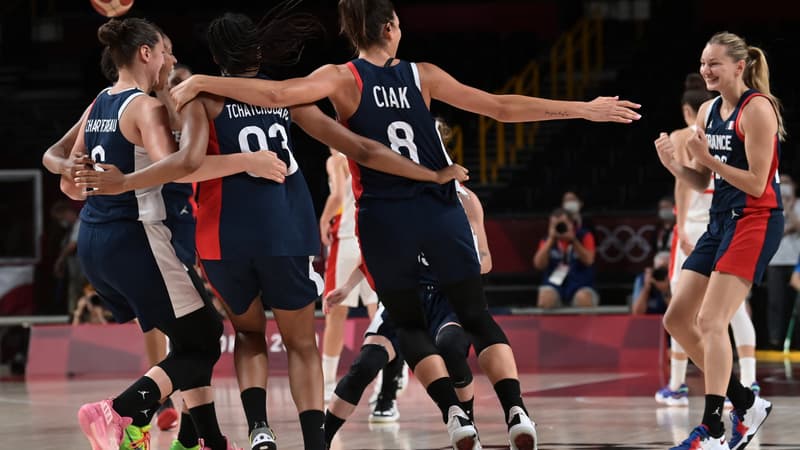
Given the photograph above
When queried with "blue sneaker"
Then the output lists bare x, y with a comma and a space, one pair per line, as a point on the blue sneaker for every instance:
699, 439
668, 397
745, 424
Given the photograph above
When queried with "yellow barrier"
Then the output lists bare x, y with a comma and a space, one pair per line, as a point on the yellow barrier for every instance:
587, 36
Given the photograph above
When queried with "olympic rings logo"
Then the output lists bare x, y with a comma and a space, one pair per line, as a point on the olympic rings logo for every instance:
624, 242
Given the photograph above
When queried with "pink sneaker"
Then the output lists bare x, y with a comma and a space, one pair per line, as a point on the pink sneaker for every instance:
102, 425
229, 447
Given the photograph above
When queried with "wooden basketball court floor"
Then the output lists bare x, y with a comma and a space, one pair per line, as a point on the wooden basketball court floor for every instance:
579, 411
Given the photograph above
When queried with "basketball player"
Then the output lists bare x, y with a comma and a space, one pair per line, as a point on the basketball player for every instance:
399, 218
337, 229
737, 140
380, 343
126, 127
266, 262
180, 219
691, 221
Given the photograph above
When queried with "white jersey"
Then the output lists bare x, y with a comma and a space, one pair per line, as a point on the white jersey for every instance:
700, 204
347, 222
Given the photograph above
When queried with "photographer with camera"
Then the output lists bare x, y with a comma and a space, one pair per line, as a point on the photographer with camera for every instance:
566, 258
651, 291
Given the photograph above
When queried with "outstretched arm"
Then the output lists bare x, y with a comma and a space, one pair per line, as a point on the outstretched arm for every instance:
268, 93
519, 108
367, 152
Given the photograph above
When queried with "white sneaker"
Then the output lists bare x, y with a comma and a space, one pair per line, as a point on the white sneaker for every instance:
463, 435
699, 439
385, 411
744, 425
521, 430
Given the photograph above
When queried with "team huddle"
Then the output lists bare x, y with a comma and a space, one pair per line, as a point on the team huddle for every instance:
418, 232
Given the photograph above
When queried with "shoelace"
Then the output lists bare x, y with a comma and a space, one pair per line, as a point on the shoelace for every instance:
143, 442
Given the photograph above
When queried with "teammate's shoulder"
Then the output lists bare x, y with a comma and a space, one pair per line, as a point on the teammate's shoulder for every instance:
681, 133
331, 69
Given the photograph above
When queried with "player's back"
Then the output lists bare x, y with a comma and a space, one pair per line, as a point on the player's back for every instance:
244, 215
106, 144
726, 143
393, 112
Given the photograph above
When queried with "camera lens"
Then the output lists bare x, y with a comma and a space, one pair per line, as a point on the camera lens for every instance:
660, 274
561, 227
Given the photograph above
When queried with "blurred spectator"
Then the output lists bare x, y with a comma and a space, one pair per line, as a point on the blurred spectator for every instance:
573, 204
89, 308
666, 225
651, 291
67, 267
566, 258
780, 295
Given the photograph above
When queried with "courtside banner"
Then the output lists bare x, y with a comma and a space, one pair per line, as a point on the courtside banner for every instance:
541, 343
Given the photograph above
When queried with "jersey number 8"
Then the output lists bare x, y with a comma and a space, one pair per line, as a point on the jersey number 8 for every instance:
406, 141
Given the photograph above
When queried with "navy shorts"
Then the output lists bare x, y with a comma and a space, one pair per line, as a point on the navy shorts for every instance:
136, 272
283, 282
435, 307
183, 239
393, 232
738, 242
438, 312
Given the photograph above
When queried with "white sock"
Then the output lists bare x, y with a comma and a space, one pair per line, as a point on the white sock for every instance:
747, 370
677, 375
330, 364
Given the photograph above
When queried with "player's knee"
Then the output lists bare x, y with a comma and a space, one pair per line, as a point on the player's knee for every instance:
548, 298
453, 344
710, 324
585, 297
300, 343
369, 362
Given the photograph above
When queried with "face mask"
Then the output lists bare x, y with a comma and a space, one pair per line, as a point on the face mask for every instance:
787, 191
572, 206
666, 214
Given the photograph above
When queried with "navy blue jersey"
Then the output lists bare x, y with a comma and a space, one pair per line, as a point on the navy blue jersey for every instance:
393, 112
726, 143
106, 144
179, 198
242, 215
